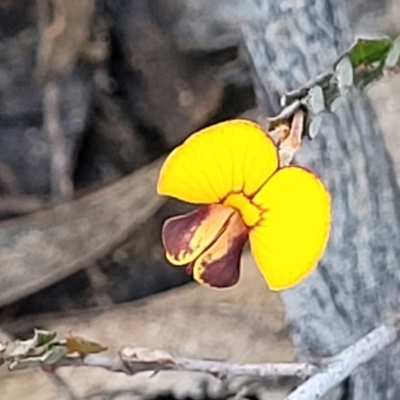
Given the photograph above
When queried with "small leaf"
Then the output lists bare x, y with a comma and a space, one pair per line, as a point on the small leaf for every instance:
344, 74
76, 344
316, 100
53, 355
367, 51
24, 363
50, 357
19, 348
43, 337
315, 127
393, 56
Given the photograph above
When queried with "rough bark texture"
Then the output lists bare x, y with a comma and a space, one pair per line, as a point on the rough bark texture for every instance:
356, 285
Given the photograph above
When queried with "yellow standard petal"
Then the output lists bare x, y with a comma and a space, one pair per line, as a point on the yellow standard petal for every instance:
230, 157
294, 229
185, 237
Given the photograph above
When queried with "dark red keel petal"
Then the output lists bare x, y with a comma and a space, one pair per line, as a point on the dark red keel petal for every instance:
219, 265
185, 237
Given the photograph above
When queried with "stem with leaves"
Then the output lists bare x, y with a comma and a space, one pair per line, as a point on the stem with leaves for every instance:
363, 64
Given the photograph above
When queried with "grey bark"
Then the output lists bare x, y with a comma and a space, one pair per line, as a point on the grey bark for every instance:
356, 285
42, 248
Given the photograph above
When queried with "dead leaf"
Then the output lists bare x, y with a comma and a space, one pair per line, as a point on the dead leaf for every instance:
76, 344
145, 355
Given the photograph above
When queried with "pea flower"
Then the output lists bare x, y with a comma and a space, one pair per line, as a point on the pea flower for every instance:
231, 170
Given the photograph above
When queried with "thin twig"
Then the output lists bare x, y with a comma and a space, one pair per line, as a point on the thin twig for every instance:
265, 370
321, 379
215, 368
61, 182
131, 360
342, 365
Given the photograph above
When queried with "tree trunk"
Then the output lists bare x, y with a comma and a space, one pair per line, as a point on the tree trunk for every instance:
356, 285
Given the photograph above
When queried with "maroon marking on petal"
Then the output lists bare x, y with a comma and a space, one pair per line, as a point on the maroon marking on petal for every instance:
225, 272
177, 232
189, 269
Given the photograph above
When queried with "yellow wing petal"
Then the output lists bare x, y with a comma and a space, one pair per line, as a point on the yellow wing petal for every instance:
294, 230
231, 156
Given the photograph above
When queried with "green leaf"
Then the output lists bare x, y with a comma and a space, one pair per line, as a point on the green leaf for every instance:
30, 347
367, 51
52, 356
24, 363
43, 337
19, 348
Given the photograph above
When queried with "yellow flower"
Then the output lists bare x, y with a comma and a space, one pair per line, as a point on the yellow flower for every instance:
232, 171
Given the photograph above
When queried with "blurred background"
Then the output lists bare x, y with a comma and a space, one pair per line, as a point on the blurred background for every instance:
92, 92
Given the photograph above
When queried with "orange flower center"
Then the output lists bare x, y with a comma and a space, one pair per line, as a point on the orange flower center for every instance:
249, 212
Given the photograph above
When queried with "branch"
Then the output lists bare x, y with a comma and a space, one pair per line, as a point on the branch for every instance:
220, 370
341, 366
333, 371
363, 64
303, 109
44, 351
